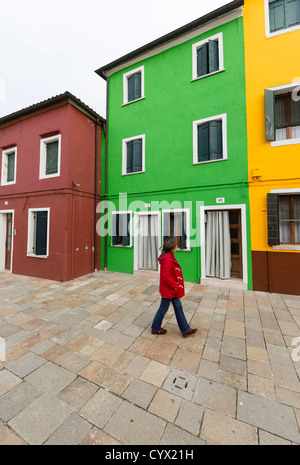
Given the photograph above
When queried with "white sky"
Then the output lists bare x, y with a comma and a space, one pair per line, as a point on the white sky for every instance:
49, 47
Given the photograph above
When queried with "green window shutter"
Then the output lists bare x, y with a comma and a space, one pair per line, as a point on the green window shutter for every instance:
11, 167
215, 140
203, 142
41, 232
292, 13
213, 53
273, 219
129, 166
125, 233
115, 229
137, 155
52, 157
202, 60
270, 115
134, 87
183, 230
277, 15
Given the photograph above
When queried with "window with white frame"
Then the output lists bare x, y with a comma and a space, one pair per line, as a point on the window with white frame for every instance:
282, 16
210, 139
133, 85
176, 226
282, 114
121, 229
9, 166
38, 232
208, 56
133, 155
50, 156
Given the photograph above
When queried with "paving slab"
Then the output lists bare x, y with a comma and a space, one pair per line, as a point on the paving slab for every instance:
73, 430
133, 426
268, 415
99, 409
50, 378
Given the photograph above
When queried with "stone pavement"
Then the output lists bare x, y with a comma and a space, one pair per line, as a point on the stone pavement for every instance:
82, 366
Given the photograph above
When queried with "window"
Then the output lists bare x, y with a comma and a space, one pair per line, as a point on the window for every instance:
283, 219
133, 85
289, 219
133, 155
282, 113
121, 227
210, 143
38, 232
208, 56
282, 15
175, 225
9, 166
50, 152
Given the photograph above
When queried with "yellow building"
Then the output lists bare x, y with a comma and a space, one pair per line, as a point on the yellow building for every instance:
272, 59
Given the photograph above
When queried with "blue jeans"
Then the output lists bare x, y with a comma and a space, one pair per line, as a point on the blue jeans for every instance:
180, 317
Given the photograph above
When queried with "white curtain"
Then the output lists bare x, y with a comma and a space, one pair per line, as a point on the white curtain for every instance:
148, 242
284, 216
218, 245
297, 218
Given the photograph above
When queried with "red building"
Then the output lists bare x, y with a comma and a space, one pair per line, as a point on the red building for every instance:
50, 186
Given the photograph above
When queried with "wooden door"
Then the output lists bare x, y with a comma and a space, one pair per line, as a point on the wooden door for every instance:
8, 241
236, 244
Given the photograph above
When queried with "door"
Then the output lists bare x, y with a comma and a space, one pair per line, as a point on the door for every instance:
148, 242
236, 243
8, 241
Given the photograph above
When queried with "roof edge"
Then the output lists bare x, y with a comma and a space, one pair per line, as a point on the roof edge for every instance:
223, 10
70, 98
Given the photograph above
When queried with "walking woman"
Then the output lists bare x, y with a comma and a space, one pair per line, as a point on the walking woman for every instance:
171, 289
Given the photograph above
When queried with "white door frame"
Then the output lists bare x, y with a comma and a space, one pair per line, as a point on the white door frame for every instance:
136, 220
3, 222
242, 208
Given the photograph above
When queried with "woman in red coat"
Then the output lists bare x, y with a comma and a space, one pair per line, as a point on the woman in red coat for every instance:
171, 288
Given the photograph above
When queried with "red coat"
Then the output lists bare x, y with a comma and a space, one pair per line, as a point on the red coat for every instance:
171, 278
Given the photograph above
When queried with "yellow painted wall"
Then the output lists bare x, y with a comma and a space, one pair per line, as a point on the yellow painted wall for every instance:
269, 62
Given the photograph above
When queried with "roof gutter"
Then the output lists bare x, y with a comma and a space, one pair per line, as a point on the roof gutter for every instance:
228, 8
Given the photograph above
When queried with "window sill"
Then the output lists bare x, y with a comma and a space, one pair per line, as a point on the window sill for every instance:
206, 75
136, 172
208, 161
282, 31
286, 247
132, 101
120, 246
32, 255
11, 183
278, 143
49, 176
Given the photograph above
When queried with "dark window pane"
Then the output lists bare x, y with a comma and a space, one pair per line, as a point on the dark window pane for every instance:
52, 157
41, 232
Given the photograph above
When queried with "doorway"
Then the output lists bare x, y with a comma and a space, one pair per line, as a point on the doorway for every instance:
147, 241
6, 240
223, 244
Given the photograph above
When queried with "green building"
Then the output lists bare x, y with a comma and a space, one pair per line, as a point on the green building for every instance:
176, 153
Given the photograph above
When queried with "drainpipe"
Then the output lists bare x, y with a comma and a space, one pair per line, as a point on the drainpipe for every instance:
96, 193
106, 159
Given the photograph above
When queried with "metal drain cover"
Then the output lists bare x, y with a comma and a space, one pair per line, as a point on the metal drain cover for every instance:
180, 383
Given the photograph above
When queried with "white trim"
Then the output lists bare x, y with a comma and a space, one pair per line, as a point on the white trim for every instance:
136, 231
267, 24
43, 144
286, 191
122, 212
241, 207
197, 45
223, 118
3, 240
188, 225
237, 13
127, 75
30, 233
124, 154
278, 143
5, 153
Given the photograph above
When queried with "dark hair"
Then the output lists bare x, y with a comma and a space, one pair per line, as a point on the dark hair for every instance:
169, 245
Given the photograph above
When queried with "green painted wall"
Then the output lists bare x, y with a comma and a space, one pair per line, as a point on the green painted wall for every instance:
172, 102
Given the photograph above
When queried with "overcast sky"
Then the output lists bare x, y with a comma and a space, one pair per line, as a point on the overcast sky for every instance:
48, 47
